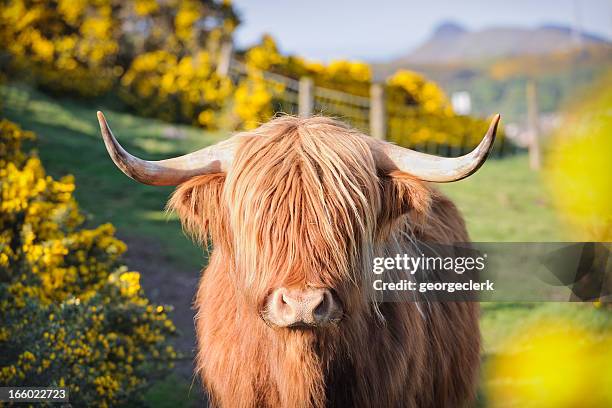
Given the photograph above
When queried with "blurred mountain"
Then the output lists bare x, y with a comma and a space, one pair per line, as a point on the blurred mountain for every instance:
452, 43
493, 65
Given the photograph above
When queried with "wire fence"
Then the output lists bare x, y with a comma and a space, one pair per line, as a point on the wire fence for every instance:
397, 127
400, 123
284, 89
397, 123
349, 108
344, 106
407, 120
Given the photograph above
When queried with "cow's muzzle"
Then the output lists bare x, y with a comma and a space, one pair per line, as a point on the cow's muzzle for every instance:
302, 308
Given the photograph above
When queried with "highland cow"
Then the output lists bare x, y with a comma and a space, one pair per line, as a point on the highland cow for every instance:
296, 210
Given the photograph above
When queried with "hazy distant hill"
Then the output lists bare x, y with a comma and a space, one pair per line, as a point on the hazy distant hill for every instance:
493, 64
452, 43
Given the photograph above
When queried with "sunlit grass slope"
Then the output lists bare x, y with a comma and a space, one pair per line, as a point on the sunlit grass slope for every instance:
69, 141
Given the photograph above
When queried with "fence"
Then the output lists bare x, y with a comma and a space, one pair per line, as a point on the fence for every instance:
305, 99
371, 115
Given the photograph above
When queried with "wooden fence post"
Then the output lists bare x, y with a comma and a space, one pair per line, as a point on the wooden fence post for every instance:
533, 124
225, 58
378, 116
306, 97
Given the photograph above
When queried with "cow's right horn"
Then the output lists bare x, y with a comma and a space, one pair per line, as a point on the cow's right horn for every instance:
169, 172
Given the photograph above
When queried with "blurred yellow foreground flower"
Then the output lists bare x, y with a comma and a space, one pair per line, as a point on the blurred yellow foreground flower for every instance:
553, 364
579, 166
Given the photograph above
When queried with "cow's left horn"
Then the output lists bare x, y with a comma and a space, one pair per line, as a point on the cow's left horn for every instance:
443, 169
169, 172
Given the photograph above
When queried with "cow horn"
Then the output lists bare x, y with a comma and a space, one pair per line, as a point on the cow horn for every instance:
443, 169
169, 172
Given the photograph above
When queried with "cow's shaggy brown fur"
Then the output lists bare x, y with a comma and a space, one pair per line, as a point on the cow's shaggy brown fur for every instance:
306, 203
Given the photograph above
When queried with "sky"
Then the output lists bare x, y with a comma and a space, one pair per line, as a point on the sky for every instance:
379, 30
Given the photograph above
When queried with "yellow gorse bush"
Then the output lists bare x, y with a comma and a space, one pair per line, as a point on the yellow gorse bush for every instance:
65, 45
84, 47
252, 102
410, 88
420, 114
176, 89
71, 314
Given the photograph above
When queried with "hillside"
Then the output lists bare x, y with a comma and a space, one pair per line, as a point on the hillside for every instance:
497, 84
452, 43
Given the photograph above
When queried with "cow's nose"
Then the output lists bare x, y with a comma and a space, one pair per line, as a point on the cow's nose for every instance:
313, 307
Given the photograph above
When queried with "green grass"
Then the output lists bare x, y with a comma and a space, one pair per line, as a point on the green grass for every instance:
69, 142
172, 392
504, 201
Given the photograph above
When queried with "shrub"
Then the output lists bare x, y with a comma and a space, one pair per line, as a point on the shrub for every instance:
414, 127
407, 88
252, 102
71, 314
83, 48
64, 45
176, 89
172, 74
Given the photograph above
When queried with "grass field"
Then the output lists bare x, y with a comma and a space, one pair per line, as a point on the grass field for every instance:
504, 201
69, 142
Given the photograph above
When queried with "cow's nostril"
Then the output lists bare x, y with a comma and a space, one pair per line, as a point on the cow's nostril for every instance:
321, 310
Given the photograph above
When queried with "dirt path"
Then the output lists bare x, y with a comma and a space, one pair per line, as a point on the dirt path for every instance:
165, 283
